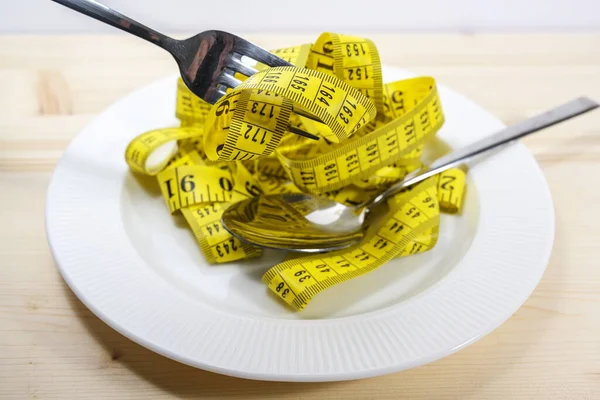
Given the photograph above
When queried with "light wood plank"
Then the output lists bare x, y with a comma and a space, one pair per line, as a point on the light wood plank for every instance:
53, 347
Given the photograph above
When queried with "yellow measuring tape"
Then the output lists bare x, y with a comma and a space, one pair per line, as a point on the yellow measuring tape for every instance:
411, 215
372, 135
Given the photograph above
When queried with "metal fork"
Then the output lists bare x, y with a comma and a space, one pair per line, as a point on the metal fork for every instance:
207, 61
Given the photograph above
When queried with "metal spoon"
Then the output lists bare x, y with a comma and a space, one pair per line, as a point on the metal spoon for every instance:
306, 223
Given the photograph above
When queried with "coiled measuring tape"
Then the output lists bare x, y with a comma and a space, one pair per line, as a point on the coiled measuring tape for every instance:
372, 135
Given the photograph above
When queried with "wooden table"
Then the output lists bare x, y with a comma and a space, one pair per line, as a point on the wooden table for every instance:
53, 347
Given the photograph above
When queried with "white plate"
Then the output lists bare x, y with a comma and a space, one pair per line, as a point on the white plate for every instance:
141, 271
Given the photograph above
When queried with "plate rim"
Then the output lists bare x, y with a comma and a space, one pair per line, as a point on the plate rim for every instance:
279, 376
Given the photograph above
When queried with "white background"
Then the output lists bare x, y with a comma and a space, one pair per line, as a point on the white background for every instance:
41, 16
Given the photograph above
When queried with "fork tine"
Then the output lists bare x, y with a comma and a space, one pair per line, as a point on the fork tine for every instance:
228, 80
237, 65
231, 82
261, 55
300, 132
307, 115
221, 91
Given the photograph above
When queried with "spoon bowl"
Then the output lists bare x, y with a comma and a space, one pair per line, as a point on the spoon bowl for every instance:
312, 224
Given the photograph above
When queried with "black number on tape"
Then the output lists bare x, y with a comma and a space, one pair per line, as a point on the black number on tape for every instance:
272, 77
225, 184
331, 172
256, 134
308, 178
352, 163
261, 112
409, 131
169, 188
187, 183
396, 227
448, 180
429, 200
299, 83
413, 212
381, 243
322, 268
325, 94
252, 190
363, 256
206, 210
215, 227
223, 108
225, 249
355, 50
416, 247
372, 152
285, 291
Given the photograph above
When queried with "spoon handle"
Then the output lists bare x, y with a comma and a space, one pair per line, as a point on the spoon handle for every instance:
111, 17
561, 113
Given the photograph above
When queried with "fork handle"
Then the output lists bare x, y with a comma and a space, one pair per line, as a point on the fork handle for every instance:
111, 17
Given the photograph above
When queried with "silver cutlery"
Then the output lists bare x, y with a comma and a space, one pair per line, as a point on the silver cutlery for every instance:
323, 225
207, 61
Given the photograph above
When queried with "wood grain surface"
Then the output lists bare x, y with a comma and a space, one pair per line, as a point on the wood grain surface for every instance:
53, 347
